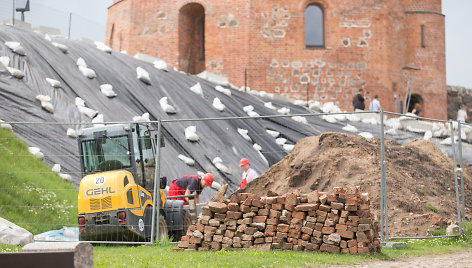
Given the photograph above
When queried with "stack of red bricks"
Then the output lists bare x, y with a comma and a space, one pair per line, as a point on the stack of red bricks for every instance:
330, 222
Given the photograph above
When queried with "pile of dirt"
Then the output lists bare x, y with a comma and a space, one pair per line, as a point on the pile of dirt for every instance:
420, 178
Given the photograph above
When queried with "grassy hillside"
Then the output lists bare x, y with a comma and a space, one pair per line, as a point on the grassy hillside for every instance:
31, 195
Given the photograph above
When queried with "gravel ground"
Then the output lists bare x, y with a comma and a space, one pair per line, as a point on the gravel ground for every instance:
457, 260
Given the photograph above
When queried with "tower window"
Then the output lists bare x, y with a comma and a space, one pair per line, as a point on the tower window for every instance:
314, 26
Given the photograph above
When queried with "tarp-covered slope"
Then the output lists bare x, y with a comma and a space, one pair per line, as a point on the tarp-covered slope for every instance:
217, 138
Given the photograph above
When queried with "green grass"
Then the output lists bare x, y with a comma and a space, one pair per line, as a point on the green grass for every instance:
420, 191
432, 208
162, 255
31, 195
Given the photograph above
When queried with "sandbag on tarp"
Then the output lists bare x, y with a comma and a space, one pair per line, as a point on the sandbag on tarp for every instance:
12, 234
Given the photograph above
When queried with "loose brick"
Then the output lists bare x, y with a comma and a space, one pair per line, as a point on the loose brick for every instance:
258, 225
209, 230
234, 215
329, 248
249, 215
327, 230
341, 227
278, 206
247, 202
250, 230
325, 208
217, 238
183, 244
294, 233
271, 200
306, 207
323, 198
299, 215
263, 212
346, 234
313, 197
305, 237
343, 244
317, 233
214, 222
287, 246
351, 207
233, 207
352, 243
310, 219
281, 234
273, 221
227, 240
290, 207
275, 213
245, 209
246, 244
215, 245
307, 230
219, 217
257, 203
362, 237
338, 206
259, 219
217, 207
282, 228
291, 200
254, 209
206, 211
363, 227
229, 234
281, 199
362, 250
247, 237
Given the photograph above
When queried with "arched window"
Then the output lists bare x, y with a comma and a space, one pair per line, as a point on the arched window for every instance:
314, 26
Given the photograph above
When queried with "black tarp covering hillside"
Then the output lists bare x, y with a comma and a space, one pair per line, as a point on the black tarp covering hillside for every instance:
217, 138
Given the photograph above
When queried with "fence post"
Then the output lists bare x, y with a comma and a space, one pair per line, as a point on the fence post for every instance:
157, 194
454, 169
13, 17
383, 183
70, 25
461, 169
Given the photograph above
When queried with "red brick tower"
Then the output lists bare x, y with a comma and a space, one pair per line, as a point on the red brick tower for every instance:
389, 48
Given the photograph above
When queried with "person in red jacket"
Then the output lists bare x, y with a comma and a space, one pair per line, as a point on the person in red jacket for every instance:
249, 174
188, 184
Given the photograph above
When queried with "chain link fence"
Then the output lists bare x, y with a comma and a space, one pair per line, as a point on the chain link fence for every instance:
119, 207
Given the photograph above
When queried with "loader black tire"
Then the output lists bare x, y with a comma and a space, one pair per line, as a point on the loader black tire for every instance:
161, 224
187, 221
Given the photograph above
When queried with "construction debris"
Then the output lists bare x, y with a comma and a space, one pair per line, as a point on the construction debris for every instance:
329, 222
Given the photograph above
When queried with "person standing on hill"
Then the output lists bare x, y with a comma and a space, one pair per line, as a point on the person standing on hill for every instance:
249, 174
358, 100
461, 114
374, 105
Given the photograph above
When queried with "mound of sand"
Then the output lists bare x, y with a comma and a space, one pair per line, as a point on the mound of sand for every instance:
419, 177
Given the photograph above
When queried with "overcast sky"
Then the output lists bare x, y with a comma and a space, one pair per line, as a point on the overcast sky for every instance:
89, 19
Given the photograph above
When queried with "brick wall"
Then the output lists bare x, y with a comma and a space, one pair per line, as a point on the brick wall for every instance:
372, 44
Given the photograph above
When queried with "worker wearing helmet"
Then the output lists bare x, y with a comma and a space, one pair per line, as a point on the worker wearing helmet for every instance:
188, 184
249, 174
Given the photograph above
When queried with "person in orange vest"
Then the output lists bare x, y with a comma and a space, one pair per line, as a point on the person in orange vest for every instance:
249, 174
188, 184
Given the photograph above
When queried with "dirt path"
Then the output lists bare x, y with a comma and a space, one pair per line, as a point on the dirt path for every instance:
457, 260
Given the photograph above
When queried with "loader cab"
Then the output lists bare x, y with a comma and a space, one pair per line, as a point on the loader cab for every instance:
119, 147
